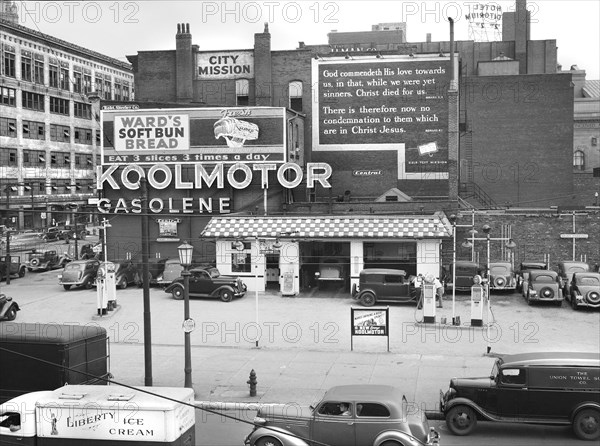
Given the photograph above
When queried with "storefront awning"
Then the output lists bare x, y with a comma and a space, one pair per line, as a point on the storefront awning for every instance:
339, 227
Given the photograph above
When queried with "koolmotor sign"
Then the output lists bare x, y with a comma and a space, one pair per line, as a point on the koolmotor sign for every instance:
392, 103
170, 136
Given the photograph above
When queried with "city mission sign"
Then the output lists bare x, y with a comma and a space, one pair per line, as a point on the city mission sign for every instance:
219, 175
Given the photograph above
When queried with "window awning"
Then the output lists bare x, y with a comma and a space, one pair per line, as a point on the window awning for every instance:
338, 227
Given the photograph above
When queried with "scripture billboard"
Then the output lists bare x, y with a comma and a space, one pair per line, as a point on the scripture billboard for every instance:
389, 103
191, 135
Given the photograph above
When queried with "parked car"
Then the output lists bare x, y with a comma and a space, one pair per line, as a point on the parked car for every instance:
584, 290
208, 282
465, 272
565, 272
80, 273
171, 271
54, 233
17, 268
47, 260
502, 276
521, 273
155, 269
544, 387
126, 274
372, 415
543, 286
331, 271
384, 285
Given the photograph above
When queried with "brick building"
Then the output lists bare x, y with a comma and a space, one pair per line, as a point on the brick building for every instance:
49, 139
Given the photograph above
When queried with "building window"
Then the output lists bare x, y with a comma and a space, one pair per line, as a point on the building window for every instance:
118, 91
59, 106
53, 75
87, 83
32, 101
34, 130
38, 72
81, 110
107, 89
82, 136
8, 127
99, 84
77, 82
8, 96
242, 87
67, 159
64, 79
9, 63
8, 157
97, 132
26, 73
34, 158
579, 160
60, 133
126, 92
295, 94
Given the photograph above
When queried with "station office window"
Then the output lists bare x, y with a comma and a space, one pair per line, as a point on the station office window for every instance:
241, 259
295, 94
242, 87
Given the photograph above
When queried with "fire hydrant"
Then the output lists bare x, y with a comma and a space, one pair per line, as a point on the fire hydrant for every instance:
252, 383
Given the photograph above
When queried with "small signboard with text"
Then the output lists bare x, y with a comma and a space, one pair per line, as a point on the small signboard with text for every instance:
369, 322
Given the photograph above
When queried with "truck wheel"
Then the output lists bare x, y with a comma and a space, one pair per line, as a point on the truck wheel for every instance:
267, 441
226, 296
461, 420
367, 299
587, 424
177, 293
67, 287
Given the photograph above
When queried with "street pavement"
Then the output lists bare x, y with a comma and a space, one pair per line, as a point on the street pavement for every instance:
305, 345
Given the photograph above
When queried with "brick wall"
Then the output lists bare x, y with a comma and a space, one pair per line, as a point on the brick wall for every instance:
155, 79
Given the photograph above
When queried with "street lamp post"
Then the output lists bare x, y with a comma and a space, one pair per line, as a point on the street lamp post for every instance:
185, 258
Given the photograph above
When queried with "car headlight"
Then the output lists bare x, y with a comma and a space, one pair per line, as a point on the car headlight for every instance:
533, 292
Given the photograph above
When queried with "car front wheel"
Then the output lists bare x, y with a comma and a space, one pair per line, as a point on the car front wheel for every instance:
88, 284
226, 296
267, 441
461, 420
22, 272
177, 293
587, 424
367, 299
123, 283
11, 314
67, 287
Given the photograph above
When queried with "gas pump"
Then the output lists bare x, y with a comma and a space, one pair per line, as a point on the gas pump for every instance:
428, 290
478, 296
106, 288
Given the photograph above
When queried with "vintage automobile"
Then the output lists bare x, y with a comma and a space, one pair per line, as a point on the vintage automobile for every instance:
384, 285
502, 276
47, 260
208, 282
155, 269
584, 290
54, 233
521, 273
540, 388
331, 271
16, 267
79, 273
373, 414
465, 272
171, 271
565, 273
543, 286
126, 274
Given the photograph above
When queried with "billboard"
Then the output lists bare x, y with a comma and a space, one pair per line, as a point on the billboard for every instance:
191, 135
396, 103
225, 65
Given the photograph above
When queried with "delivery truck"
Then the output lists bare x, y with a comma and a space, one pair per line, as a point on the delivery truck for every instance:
47, 356
97, 415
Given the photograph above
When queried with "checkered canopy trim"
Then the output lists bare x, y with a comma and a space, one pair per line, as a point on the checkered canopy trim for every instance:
434, 226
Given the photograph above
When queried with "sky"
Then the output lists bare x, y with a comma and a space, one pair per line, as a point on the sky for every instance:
121, 28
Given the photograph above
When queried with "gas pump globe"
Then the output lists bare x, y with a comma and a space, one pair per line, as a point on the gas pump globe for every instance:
478, 296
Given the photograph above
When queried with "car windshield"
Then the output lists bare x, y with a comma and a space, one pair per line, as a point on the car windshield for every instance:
544, 279
589, 281
73, 266
214, 272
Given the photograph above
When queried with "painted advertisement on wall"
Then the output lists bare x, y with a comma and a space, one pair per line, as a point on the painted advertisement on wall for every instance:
225, 65
390, 103
169, 136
